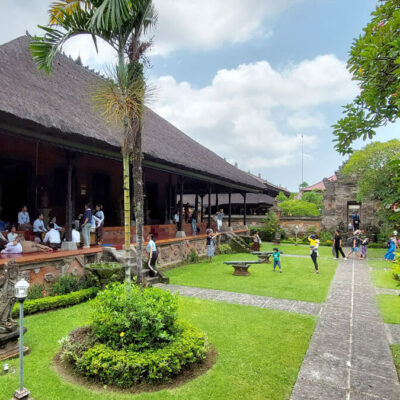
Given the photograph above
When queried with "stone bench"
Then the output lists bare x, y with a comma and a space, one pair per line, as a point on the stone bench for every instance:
263, 256
241, 268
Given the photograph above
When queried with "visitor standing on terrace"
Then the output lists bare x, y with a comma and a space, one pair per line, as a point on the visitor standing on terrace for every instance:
99, 223
86, 225
220, 216
151, 249
194, 222
24, 222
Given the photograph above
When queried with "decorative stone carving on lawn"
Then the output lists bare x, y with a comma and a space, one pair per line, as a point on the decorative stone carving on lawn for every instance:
7, 297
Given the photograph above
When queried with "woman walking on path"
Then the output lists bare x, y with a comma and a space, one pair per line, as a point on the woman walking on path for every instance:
314, 243
337, 245
210, 244
256, 242
389, 256
151, 249
355, 244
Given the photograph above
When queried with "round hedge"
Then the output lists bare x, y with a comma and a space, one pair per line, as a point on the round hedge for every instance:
126, 367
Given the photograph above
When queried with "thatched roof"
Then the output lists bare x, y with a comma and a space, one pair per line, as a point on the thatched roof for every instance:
61, 102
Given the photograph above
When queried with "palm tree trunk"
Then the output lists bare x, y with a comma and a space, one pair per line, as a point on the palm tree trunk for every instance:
127, 215
137, 173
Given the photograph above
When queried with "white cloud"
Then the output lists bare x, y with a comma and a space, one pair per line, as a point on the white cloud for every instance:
254, 114
208, 24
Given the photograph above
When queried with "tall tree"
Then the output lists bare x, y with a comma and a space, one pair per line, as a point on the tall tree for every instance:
375, 64
122, 24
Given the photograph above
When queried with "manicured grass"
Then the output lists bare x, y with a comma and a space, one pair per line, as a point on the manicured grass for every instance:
376, 253
297, 282
380, 264
389, 306
384, 279
396, 357
259, 354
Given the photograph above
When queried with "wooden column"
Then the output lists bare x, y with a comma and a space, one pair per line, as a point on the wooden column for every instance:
230, 209
202, 207
169, 204
216, 201
209, 207
196, 202
68, 209
181, 205
245, 208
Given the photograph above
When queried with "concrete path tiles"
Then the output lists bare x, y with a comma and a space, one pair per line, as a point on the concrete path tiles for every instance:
393, 333
387, 291
349, 356
300, 307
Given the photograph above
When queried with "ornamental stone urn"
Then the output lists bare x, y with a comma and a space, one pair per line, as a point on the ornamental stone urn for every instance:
106, 272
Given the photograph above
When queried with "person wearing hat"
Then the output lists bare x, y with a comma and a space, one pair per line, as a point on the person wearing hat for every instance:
389, 256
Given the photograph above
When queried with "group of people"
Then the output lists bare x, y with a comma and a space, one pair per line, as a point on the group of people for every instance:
53, 234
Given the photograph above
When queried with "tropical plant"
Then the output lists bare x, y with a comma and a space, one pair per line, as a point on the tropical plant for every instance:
314, 197
281, 197
299, 208
375, 64
121, 24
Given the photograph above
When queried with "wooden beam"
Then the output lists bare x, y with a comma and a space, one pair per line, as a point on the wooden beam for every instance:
230, 210
181, 205
209, 207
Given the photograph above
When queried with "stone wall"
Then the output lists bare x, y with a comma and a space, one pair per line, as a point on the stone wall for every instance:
338, 195
304, 224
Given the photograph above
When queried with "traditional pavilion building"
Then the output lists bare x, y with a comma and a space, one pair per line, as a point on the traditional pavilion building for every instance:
48, 129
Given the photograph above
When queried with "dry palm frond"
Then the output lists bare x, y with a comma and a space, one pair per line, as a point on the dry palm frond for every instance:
121, 98
59, 9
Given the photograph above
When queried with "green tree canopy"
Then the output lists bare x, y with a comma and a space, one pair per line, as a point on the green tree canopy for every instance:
313, 197
375, 65
281, 197
299, 208
375, 171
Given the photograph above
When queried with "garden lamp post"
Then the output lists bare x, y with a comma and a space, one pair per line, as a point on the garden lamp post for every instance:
296, 230
21, 292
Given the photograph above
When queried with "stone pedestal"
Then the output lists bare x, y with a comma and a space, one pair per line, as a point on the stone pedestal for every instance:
67, 246
180, 234
9, 347
23, 394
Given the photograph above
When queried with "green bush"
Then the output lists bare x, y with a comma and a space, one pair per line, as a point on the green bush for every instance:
396, 269
36, 292
53, 302
314, 197
126, 316
125, 367
71, 283
299, 208
193, 257
225, 248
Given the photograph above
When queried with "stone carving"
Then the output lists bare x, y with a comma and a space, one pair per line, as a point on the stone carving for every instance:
49, 277
7, 297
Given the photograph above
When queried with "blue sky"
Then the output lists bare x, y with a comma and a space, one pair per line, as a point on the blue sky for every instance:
244, 78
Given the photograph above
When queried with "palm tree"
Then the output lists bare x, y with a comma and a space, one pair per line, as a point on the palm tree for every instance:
122, 24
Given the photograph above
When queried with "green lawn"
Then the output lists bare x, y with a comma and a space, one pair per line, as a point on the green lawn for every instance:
380, 264
384, 279
396, 357
297, 282
301, 249
259, 354
389, 306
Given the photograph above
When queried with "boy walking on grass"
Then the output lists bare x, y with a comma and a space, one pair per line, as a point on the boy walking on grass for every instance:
277, 261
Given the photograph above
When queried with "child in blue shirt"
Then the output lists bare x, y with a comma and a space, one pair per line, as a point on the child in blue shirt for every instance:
277, 261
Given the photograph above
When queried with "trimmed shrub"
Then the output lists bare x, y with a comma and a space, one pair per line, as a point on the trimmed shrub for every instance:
225, 248
71, 283
54, 302
124, 316
396, 269
124, 367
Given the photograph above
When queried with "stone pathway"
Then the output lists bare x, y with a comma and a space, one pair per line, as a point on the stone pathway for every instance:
300, 307
387, 291
393, 333
349, 356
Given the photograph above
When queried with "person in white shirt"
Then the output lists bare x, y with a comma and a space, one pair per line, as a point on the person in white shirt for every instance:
98, 218
13, 234
76, 236
53, 237
13, 248
24, 222
39, 229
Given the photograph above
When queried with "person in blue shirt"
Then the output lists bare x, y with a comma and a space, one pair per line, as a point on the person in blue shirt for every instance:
151, 249
86, 225
277, 261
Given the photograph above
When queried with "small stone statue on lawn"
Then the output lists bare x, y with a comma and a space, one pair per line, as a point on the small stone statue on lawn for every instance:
7, 297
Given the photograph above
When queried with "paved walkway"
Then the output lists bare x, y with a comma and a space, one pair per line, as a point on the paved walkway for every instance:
393, 333
387, 291
349, 356
300, 307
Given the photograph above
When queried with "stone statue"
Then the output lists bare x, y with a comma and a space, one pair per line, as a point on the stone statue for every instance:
7, 297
